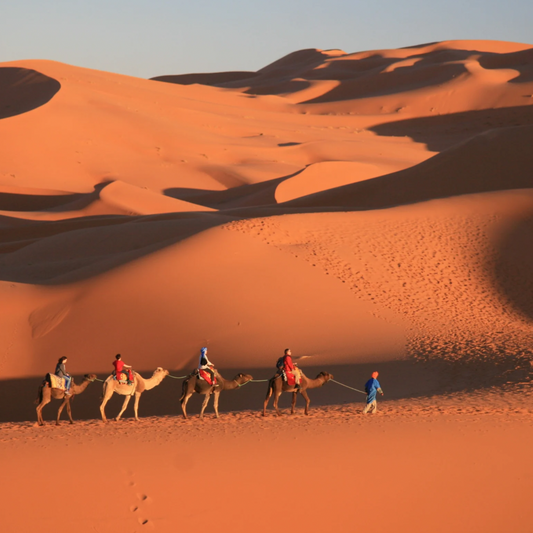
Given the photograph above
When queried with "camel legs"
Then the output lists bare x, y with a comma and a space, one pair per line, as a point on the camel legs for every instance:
60, 410
215, 402
293, 404
184, 401
45, 399
204, 404
269, 394
124, 405
108, 392
136, 405
277, 394
307, 400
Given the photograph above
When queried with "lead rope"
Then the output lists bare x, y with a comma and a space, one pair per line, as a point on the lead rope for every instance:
343, 385
253, 381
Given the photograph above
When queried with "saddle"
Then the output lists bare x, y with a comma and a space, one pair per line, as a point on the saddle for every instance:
292, 378
206, 376
123, 379
55, 381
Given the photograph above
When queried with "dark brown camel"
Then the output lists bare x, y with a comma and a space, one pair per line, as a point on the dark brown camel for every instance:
277, 385
46, 394
194, 384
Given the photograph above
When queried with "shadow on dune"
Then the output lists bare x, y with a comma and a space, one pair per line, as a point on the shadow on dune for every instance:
513, 268
22, 90
366, 76
493, 161
257, 194
443, 131
53, 203
521, 61
213, 79
426, 72
64, 251
399, 379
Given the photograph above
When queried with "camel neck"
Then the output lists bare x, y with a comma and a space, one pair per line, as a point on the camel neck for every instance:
315, 383
154, 381
81, 387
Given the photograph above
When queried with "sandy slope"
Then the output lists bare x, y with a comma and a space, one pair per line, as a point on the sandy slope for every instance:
414, 467
369, 210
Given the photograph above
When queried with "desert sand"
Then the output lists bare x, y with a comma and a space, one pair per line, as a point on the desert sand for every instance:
371, 211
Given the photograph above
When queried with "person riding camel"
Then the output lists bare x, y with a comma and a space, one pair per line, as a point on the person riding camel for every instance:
120, 368
206, 365
61, 372
288, 370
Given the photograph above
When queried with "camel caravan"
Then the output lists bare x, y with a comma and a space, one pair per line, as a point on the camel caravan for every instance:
204, 380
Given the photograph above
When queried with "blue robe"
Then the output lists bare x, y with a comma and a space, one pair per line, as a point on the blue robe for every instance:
371, 388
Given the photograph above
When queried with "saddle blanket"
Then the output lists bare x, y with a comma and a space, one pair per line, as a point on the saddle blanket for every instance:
56, 382
206, 376
123, 379
292, 378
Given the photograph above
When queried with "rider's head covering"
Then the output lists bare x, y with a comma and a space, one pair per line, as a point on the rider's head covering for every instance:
203, 351
375, 375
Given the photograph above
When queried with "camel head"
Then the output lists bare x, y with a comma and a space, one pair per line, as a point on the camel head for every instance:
90, 377
158, 371
325, 375
241, 379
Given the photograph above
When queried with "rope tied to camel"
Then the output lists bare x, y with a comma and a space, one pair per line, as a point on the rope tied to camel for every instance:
252, 381
178, 377
348, 387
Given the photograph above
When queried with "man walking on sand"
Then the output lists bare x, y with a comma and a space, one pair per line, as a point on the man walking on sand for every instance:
372, 387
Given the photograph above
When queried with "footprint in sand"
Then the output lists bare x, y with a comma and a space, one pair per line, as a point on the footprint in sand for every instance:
138, 508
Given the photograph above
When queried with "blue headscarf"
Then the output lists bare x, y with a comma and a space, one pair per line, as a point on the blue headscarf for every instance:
203, 351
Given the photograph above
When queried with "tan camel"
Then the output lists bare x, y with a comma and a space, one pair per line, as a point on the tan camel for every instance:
46, 394
277, 385
194, 384
139, 385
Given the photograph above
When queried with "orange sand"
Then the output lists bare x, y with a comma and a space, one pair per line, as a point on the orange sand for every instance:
367, 210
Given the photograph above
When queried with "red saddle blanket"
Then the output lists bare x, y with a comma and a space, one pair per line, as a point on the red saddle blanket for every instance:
122, 378
289, 378
207, 377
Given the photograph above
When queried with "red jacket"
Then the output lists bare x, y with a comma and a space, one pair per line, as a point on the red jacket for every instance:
288, 365
119, 365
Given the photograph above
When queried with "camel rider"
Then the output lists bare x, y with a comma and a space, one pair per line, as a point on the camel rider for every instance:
120, 368
372, 387
206, 365
61, 371
287, 369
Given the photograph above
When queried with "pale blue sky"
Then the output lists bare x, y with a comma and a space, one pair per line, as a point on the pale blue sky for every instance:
150, 38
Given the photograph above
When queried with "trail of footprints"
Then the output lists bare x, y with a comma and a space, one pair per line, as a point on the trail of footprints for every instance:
457, 262
139, 507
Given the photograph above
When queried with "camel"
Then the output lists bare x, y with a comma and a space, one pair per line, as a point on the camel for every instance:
46, 394
139, 385
277, 385
194, 384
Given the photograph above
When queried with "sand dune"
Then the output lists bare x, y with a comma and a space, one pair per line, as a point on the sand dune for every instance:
370, 210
